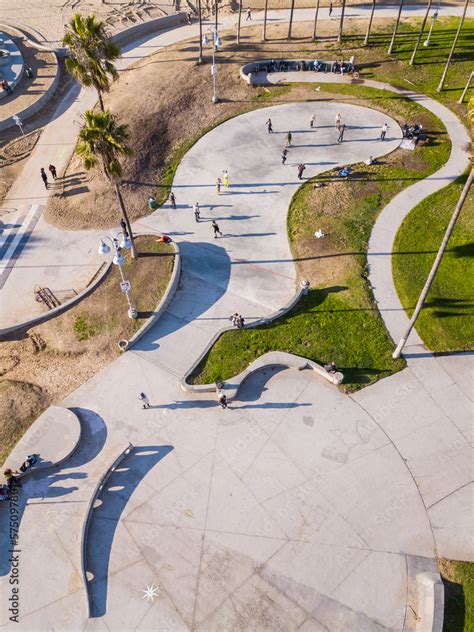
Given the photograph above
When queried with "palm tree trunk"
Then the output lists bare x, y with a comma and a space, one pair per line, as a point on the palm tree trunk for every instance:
316, 19
264, 33
291, 18
200, 32
118, 193
434, 268
390, 48
445, 72
239, 21
466, 88
341, 22
101, 102
369, 26
420, 34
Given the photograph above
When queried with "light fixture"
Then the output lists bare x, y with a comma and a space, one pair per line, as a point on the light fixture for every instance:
103, 248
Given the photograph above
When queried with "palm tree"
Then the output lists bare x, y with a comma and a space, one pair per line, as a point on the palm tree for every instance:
390, 48
104, 139
316, 19
341, 22
200, 32
239, 21
366, 41
445, 72
291, 18
264, 33
92, 53
420, 34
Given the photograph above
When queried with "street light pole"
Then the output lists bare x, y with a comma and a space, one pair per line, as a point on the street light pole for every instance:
434, 17
119, 260
216, 42
18, 122
420, 34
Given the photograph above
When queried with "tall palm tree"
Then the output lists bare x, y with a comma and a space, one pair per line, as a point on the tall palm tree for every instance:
291, 18
264, 33
200, 32
420, 34
341, 21
239, 21
92, 53
369, 25
316, 19
104, 140
390, 48
445, 72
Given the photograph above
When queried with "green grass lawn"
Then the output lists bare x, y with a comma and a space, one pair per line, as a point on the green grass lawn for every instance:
458, 579
446, 323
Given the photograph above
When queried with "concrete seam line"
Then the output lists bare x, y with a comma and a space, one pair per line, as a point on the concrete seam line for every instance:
164, 302
57, 311
85, 527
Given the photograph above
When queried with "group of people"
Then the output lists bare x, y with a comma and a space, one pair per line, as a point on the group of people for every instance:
11, 476
413, 131
342, 67
237, 320
44, 175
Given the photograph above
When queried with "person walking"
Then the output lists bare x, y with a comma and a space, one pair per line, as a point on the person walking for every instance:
52, 170
234, 318
173, 200
197, 212
330, 9
216, 229
301, 168
289, 136
311, 121
144, 400
222, 399
341, 133
249, 14
383, 131
44, 177
226, 179
337, 121
269, 126
283, 156
218, 186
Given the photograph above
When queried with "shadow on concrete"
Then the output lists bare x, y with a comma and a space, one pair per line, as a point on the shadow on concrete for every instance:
51, 484
105, 517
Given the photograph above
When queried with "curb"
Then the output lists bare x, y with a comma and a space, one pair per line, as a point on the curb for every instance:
125, 345
85, 527
100, 275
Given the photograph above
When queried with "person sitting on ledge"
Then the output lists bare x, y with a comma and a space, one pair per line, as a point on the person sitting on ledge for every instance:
335, 67
330, 368
29, 72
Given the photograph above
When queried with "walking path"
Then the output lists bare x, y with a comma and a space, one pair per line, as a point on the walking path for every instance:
33, 253
299, 507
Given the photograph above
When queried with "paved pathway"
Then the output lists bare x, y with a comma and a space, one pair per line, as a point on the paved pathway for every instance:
32, 252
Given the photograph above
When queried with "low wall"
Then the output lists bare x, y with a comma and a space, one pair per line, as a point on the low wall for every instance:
144, 28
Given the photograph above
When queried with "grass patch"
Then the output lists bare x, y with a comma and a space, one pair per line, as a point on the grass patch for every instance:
458, 580
446, 322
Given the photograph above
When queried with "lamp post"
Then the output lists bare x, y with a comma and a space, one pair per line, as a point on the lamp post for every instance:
18, 122
119, 260
434, 17
216, 42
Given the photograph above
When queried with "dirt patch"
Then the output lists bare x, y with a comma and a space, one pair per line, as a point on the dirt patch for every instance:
56, 357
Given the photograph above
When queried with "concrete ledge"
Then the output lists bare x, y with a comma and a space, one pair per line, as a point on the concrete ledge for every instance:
90, 508
54, 436
52, 313
162, 305
157, 24
425, 596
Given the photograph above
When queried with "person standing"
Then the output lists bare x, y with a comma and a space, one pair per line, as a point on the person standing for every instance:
144, 400
173, 200
269, 126
289, 136
301, 168
197, 212
337, 121
341, 133
383, 131
218, 186
44, 177
249, 14
222, 399
311, 121
216, 229
283, 156
226, 179
52, 170
330, 9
